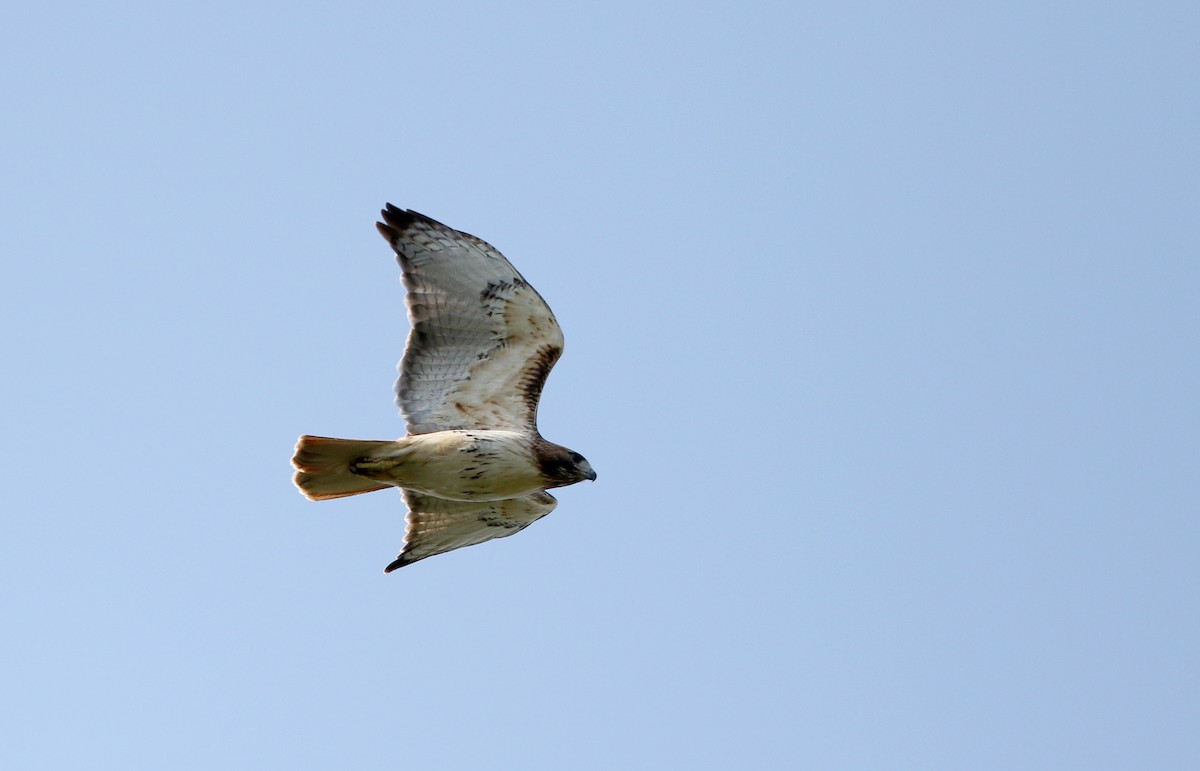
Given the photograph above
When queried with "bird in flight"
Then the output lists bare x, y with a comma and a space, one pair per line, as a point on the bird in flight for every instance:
473, 466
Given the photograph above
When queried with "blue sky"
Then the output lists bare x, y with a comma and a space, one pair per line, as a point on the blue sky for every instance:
881, 333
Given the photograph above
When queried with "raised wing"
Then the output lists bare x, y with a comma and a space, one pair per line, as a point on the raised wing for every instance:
483, 340
436, 526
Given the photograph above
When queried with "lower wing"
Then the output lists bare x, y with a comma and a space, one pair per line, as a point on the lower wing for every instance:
436, 525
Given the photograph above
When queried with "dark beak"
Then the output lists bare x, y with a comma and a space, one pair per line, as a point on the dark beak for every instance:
592, 476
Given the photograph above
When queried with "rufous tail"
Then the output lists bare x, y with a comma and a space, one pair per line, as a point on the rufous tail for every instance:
323, 467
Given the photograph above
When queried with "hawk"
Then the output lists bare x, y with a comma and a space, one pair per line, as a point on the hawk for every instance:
473, 466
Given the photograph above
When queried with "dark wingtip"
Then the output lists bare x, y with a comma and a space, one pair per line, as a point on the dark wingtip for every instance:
388, 232
398, 218
398, 563
395, 222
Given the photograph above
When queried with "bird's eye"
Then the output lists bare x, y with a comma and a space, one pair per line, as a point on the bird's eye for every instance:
576, 457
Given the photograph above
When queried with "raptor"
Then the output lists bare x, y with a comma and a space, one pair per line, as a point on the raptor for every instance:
473, 465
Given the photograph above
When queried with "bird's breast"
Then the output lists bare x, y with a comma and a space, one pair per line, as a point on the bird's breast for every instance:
468, 465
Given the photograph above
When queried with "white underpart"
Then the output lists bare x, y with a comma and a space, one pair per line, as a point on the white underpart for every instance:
459, 465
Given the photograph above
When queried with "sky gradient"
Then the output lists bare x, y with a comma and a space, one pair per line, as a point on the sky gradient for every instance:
881, 333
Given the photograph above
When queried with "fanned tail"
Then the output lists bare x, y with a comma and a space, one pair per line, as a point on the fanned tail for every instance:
323, 467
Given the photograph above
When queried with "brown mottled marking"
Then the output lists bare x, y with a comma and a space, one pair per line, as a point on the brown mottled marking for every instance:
533, 379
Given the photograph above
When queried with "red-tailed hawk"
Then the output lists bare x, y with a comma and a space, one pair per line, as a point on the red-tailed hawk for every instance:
473, 466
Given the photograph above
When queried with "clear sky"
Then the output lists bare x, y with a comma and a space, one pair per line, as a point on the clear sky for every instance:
881, 329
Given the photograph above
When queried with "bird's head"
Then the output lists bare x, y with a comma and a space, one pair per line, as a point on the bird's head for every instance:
562, 467
583, 468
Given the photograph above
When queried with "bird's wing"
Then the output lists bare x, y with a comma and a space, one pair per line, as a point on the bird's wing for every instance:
436, 526
483, 340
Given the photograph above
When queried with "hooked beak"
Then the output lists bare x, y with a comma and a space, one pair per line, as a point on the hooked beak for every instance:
591, 477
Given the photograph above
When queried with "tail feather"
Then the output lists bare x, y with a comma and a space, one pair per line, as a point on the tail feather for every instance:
323, 467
